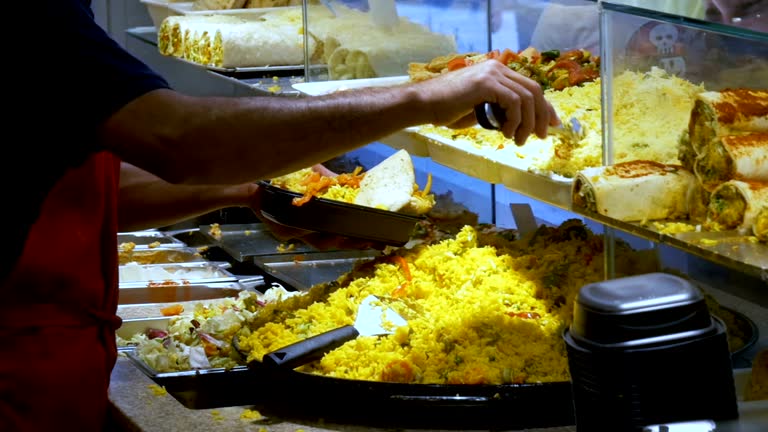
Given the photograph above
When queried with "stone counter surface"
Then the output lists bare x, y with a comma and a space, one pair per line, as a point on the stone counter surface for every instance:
139, 407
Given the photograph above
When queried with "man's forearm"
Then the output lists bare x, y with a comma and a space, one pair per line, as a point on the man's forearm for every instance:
246, 139
147, 201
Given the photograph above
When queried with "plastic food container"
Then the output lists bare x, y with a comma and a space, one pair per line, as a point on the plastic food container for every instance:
645, 350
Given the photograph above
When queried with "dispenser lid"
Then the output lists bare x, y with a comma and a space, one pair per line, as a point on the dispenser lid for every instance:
639, 310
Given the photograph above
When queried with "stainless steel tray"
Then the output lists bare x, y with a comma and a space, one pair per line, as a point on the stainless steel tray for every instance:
160, 255
143, 239
268, 69
182, 273
243, 242
302, 271
130, 327
135, 294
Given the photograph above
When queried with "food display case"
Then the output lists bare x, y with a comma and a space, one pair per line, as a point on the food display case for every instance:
656, 60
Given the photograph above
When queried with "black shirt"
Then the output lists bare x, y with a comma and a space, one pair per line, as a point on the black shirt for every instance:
67, 76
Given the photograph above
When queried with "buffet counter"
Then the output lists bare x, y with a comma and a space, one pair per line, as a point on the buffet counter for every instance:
139, 404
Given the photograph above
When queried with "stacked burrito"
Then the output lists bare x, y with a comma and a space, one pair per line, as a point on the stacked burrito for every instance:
635, 191
349, 42
726, 147
274, 38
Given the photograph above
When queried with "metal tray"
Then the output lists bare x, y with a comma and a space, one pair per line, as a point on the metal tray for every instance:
160, 255
277, 393
143, 239
302, 271
336, 217
134, 294
297, 70
130, 327
246, 241
213, 272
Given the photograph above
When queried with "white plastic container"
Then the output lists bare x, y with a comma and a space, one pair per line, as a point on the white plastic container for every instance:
160, 10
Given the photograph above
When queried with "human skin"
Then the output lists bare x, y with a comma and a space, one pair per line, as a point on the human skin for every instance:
223, 140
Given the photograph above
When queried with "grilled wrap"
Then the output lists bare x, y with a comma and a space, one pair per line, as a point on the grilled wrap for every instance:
369, 52
685, 152
727, 112
743, 157
217, 4
698, 202
760, 226
230, 41
735, 204
634, 191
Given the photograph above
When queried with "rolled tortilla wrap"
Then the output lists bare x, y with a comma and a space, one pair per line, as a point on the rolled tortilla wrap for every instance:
760, 226
743, 157
735, 205
685, 152
727, 112
171, 34
260, 44
634, 191
375, 52
217, 4
698, 202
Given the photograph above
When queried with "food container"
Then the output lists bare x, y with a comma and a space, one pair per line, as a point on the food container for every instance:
302, 271
147, 240
336, 217
180, 273
159, 10
645, 350
159, 255
143, 293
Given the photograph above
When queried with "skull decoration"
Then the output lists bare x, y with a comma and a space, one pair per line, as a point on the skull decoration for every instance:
663, 37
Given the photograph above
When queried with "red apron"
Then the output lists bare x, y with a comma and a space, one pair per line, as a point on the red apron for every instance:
57, 317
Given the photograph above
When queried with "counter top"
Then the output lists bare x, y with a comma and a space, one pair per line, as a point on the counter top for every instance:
140, 405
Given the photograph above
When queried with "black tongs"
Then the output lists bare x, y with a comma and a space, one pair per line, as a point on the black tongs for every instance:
492, 116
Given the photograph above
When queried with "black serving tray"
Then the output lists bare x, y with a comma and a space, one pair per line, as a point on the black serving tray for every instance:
307, 398
336, 217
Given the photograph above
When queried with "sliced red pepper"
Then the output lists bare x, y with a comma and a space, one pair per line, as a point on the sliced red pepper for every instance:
457, 63
400, 290
507, 56
524, 315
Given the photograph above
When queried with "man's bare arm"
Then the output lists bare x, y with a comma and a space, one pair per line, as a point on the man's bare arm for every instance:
208, 140
146, 201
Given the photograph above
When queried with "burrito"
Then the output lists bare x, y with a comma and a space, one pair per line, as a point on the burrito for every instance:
260, 44
354, 47
685, 152
217, 4
698, 202
743, 157
760, 227
727, 112
230, 41
634, 191
175, 30
735, 204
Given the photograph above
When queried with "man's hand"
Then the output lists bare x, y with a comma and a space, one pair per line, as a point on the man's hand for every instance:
452, 97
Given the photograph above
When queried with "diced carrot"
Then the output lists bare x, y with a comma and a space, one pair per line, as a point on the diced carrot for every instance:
507, 56
457, 63
171, 310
